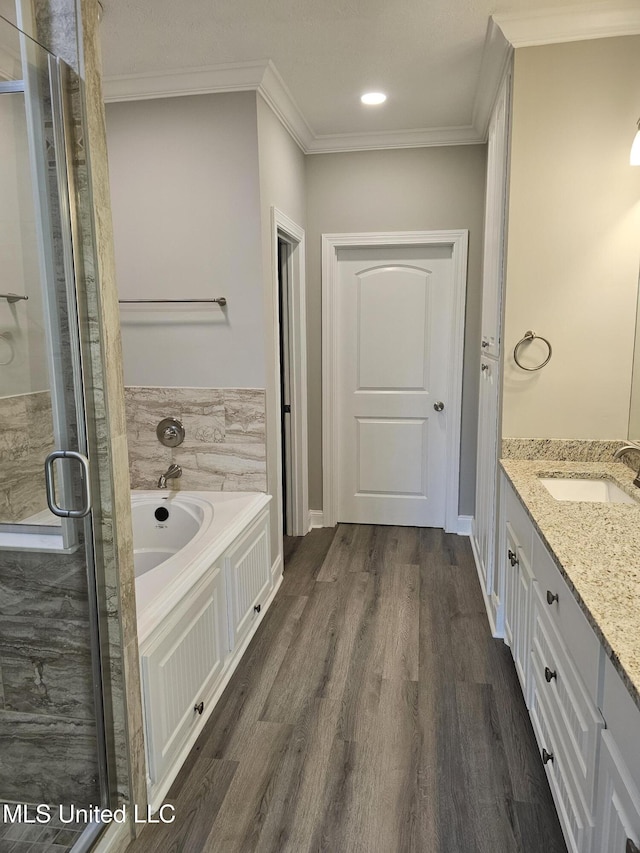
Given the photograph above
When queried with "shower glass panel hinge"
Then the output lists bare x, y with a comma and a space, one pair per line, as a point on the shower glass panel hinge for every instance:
49, 480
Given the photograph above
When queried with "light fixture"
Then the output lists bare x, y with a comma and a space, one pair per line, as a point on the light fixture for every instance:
634, 159
372, 99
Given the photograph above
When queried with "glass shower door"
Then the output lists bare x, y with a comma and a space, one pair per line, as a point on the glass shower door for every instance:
53, 750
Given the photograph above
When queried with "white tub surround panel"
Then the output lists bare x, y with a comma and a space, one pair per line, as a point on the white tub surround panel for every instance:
225, 441
197, 611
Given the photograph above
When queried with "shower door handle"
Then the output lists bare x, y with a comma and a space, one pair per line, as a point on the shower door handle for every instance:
51, 489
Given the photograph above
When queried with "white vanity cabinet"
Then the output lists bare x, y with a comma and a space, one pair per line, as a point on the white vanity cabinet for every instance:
516, 576
558, 659
495, 221
248, 571
483, 532
618, 814
486, 483
618, 787
182, 663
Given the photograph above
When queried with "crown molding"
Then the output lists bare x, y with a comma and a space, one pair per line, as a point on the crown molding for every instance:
572, 23
232, 77
420, 138
504, 32
274, 91
496, 57
263, 77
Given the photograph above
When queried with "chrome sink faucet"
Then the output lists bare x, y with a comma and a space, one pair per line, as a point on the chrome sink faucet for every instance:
626, 448
172, 473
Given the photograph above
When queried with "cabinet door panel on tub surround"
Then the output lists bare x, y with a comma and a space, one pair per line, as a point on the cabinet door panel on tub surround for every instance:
248, 570
182, 663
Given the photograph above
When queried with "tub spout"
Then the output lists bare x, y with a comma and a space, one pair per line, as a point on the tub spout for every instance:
172, 472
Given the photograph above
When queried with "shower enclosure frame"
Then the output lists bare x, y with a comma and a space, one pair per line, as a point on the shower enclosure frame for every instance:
73, 257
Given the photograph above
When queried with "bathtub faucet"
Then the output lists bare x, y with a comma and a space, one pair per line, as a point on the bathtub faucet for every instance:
172, 472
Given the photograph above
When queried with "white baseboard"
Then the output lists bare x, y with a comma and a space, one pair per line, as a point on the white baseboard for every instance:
276, 568
487, 600
463, 527
465, 523
316, 518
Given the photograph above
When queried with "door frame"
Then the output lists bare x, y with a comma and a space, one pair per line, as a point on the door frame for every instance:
286, 229
458, 240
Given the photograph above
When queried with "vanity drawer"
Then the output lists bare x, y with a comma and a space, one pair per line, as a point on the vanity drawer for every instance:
576, 822
565, 614
578, 720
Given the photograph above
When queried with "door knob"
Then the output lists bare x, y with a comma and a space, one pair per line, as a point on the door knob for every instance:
438, 406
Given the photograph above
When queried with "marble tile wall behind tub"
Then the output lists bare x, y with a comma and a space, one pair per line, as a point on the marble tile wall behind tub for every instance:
25, 440
224, 447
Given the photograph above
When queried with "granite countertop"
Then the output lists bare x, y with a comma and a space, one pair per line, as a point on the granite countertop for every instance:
596, 547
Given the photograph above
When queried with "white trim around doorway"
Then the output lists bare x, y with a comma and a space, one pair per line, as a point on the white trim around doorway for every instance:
458, 240
286, 229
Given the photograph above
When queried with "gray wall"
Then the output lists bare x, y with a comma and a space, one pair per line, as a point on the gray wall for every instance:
186, 211
193, 181
282, 185
409, 189
185, 176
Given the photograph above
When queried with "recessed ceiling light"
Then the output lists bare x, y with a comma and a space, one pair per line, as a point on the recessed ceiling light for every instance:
373, 98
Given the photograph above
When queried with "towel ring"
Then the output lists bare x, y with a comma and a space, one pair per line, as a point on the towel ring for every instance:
528, 337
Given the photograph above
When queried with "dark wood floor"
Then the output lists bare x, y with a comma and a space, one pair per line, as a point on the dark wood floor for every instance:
372, 713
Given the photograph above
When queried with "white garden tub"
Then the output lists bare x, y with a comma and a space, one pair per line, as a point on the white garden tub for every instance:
177, 536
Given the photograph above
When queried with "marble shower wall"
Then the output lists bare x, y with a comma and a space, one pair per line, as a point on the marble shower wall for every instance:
224, 447
27, 437
47, 715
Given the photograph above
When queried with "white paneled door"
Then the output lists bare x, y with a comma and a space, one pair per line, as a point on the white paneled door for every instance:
394, 325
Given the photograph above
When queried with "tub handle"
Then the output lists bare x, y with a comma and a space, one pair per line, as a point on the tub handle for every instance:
257, 608
199, 708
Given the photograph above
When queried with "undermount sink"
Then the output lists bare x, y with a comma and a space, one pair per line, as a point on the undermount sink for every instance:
594, 491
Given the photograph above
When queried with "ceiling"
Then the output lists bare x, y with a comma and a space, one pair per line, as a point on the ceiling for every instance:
437, 60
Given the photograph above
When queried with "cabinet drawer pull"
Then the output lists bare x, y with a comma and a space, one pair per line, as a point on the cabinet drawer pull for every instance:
551, 597
512, 557
199, 708
257, 608
631, 847
546, 756
550, 674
